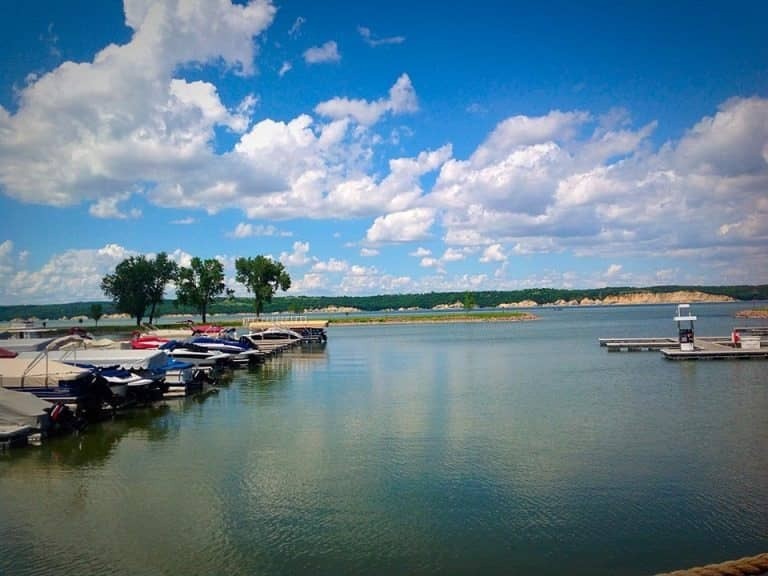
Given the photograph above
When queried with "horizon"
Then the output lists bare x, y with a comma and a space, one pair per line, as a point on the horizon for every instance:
630, 290
385, 149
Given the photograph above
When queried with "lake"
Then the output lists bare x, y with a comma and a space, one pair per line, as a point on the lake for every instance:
486, 448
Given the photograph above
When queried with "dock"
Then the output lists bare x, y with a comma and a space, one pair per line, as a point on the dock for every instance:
652, 344
704, 348
744, 343
708, 350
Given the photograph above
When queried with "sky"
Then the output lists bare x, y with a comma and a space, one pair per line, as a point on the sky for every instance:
384, 147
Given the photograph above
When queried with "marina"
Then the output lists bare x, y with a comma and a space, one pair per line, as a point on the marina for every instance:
456, 448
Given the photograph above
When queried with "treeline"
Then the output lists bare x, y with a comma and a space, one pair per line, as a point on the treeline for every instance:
380, 302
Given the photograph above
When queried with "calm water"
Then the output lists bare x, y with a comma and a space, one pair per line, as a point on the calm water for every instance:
453, 449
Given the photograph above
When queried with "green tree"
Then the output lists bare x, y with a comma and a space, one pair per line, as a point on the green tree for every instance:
199, 284
469, 301
130, 286
262, 277
164, 271
96, 313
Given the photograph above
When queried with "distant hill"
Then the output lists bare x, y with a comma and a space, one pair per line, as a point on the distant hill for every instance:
429, 300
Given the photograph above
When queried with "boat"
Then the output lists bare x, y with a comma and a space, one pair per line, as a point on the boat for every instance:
148, 342
273, 338
56, 382
22, 415
194, 354
312, 331
242, 351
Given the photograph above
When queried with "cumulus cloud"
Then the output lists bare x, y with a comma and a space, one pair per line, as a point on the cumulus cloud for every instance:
402, 99
548, 184
130, 129
493, 253
299, 256
406, 226
332, 265
94, 130
328, 52
72, 272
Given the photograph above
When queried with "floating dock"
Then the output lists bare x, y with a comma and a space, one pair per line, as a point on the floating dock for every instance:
704, 350
652, 344
744, 343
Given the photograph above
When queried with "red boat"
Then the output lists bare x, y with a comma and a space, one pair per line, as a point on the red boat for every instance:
147, 342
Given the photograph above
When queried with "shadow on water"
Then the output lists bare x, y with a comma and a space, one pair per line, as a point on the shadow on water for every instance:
95, 445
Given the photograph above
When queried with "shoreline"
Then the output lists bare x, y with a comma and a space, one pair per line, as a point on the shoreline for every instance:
432, 319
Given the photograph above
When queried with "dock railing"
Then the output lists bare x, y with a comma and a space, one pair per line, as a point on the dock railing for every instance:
275, 319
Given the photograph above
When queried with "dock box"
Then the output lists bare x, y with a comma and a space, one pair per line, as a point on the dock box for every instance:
750, 342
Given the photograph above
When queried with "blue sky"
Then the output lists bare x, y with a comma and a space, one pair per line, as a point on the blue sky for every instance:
381, 147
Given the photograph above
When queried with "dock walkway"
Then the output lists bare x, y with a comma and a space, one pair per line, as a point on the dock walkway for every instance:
705, 348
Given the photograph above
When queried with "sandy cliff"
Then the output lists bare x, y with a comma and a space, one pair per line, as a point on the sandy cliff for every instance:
679, 297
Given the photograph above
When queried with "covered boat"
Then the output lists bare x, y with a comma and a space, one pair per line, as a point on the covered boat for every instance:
21, 414
55, 381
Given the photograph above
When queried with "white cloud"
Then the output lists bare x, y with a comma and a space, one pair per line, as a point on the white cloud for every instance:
368, 252
285, 68
247, 230
328, 52
420, 252
402, 99
453, 255
299, 256
91, 131
295, 29
184, 221
493, 253
332, 265
372, 40
406, 226
538, 186
72, 272
109, 208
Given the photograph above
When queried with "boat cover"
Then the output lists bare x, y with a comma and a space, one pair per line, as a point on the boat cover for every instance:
127, 359
16, 372
25, 344
21, 408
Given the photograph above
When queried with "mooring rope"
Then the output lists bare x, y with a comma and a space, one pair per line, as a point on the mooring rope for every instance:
749, 565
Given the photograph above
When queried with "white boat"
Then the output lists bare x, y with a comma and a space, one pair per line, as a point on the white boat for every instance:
273, 338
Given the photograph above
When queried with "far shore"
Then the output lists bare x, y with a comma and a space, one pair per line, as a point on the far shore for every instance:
759, 313
437, 319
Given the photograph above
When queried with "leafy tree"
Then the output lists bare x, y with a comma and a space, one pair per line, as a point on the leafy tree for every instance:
130, 286
199, 284
96, 313
469, 301
262, 276
164, 271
